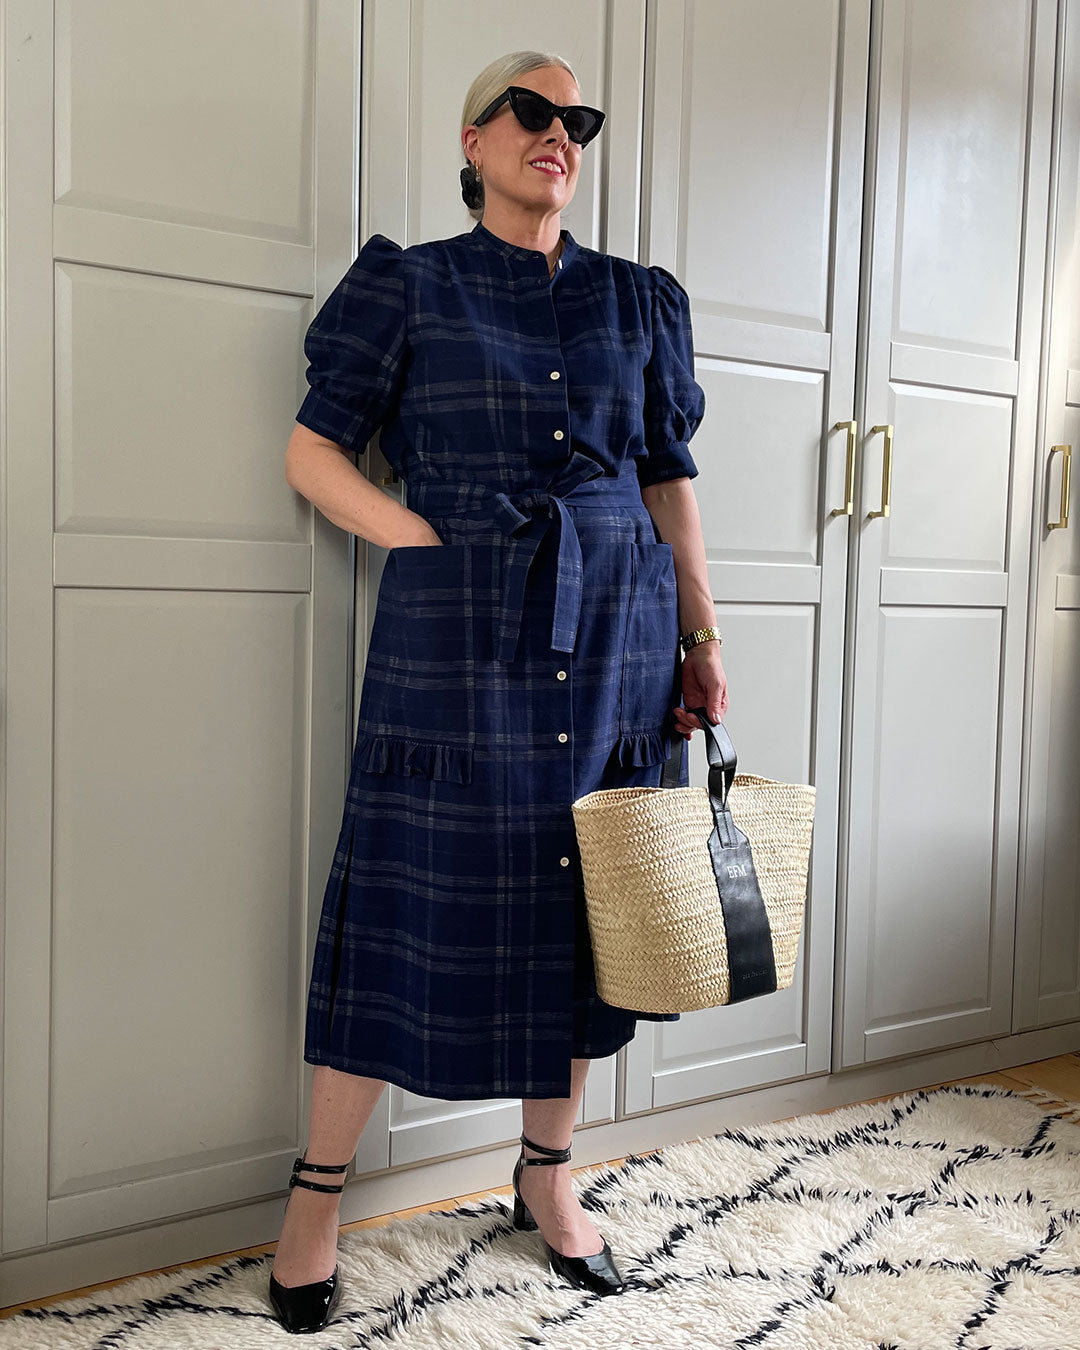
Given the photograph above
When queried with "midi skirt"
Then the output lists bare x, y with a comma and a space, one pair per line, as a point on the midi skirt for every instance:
453, 956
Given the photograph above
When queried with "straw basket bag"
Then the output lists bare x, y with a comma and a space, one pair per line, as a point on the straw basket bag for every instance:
681, 914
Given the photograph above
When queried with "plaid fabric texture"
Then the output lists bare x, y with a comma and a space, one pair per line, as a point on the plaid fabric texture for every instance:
529, 659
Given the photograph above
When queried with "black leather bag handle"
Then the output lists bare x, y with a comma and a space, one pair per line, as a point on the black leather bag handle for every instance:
722, 760
751, 960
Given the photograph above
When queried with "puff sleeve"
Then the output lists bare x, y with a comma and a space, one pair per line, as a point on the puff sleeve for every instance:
357, 349
674, 401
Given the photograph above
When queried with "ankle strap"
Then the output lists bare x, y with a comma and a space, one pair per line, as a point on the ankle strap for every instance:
554, 1155
294, 1180
301, 1166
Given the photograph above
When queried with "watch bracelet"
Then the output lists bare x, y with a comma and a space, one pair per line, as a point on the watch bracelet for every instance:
699, 635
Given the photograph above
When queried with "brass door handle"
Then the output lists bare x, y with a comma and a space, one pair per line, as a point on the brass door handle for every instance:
886, 471
1063, 523
848, 507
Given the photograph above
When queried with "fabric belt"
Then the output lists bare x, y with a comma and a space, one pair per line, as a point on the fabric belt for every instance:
525, 518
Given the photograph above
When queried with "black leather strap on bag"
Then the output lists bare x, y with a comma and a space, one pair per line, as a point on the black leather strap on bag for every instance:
751, 961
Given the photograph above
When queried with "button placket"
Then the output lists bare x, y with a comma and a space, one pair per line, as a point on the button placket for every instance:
559, 434
562, 674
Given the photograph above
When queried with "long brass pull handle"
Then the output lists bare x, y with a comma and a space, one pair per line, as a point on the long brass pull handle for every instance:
886, 471
848, 507
1063, 523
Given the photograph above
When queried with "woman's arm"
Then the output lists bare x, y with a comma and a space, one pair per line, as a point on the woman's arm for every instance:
320, 470
674, 509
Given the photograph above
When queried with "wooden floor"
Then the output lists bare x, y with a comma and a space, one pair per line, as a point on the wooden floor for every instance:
1058, 1078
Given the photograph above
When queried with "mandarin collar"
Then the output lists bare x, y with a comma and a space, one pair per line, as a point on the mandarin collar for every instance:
482, 236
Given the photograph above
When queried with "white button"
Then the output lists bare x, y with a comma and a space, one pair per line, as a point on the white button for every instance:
558, 435
555, 375
560, 675
562, 736
564, 862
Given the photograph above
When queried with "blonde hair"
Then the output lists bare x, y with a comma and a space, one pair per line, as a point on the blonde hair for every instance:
491, 82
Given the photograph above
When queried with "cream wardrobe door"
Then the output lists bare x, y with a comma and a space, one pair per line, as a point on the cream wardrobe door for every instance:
755, 125
181, 189
1048, 948
959, 176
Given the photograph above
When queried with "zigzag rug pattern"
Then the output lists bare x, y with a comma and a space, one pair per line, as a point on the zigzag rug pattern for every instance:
947, 1218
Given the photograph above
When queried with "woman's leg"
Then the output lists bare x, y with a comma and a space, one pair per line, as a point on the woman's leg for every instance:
546, 1190
341, 1105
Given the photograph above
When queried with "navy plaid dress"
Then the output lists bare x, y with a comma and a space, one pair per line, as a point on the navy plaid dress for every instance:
529, 659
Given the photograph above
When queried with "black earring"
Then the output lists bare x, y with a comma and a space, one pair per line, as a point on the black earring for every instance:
472, 187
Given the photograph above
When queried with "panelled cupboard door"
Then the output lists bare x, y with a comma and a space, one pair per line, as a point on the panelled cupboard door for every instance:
419, 60
1048, 956
177, 740
960, 173
754, 184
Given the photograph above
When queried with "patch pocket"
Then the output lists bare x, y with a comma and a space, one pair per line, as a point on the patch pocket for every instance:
650, 653
416, 711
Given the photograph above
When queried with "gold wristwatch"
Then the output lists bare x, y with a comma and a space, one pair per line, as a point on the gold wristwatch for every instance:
689, 640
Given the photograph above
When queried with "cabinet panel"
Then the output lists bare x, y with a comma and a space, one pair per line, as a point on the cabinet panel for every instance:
932, 820
757, 130
130, 349
1059, 946
962, 121
238, 159
161, 941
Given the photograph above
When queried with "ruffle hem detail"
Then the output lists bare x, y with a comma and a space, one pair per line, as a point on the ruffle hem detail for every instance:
638, 748
399, 754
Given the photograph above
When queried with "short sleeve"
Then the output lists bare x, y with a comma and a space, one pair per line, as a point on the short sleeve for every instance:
674, 401
356, 348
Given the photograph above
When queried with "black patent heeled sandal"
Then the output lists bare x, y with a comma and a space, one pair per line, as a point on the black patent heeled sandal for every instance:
597, 1272
308, 1307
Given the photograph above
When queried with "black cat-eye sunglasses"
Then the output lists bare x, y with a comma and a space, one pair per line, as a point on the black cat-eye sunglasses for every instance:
535, 113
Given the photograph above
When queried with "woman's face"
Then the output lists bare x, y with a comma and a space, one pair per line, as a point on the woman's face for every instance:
506, 151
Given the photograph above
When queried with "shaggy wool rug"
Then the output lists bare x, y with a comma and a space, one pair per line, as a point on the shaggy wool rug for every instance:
944, 1218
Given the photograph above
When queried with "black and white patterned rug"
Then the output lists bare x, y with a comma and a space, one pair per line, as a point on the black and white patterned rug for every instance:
944, 1218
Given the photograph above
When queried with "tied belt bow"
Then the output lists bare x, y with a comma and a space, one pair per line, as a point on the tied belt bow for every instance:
525, 518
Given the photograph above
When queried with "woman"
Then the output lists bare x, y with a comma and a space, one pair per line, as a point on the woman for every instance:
538, 398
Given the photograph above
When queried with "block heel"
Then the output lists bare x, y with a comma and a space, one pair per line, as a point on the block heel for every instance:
596, 1273
308, 1307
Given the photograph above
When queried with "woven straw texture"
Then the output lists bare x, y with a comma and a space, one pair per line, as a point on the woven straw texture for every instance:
655, 917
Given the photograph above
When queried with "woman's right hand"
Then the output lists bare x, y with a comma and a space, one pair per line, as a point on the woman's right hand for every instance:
421, 534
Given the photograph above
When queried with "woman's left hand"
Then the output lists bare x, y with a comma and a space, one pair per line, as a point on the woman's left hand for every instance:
704, 685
